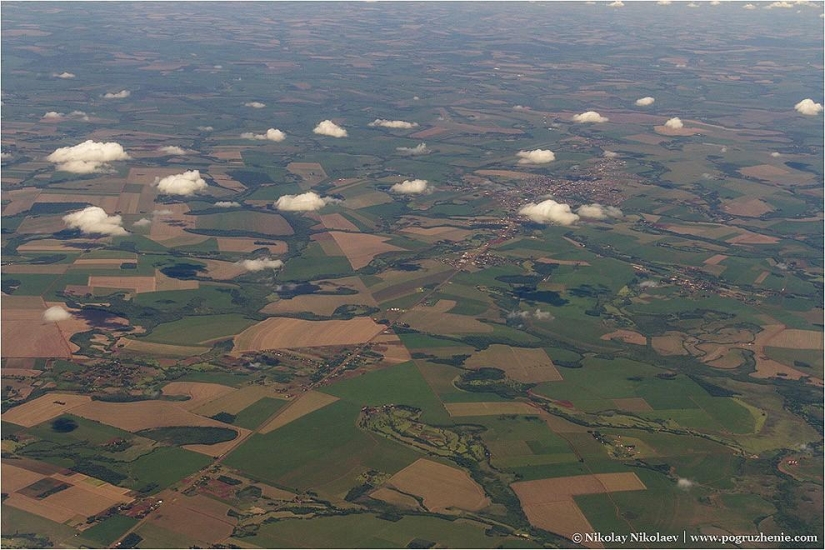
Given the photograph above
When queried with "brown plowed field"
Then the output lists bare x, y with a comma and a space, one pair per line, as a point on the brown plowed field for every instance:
137, 285
360, 249
44, 408
488, 409
200, 393
339, 222
26, 334
798, 339
528, 365
541, 491
142, 415
198, 518
151, 348
237, 400
15, 478
282, 332
627, 336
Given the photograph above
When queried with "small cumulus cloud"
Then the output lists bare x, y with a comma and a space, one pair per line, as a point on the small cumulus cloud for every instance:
749, 7
77, 115
227, 204
538, 314
260, 264
53, 114
589, 116
693, 5
93, 220
399, 124
273, 134
163, 212
674, 123
87, 157
305, 202
645, 101
597, 211
715, 2
329, 128
172, 150
685, 484
664, 2
205, 128
774, 5
255, 104
616, 4
143, 222
536, 156
610, 154
56, 313
808, 107
520, 108
187, 183
410, 187
117, 95
549, 212
64, 75
420, 149
5, 156
775, 154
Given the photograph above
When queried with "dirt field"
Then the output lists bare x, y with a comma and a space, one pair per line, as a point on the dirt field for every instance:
360, 249
106, 202
764, 172
142, 415
21, 200
563, 517
323, 304
391, 347
748, 207
327, 244
748, 237
489, 409
222, 271
137, 285
715, 259
438, 233
198, 518
44, 408
311, 173
236, 401
339, 222
632, 404
25, 334
247, 244
761, 278
626, 336
16, 478
224, 180
151, 348
435, 319
670, 344
53, 269
163, 282
798, 339
282, 332
52, 245
391, 496
441, 487
541, 491
169, 229
41, 224
665, 131
301, 406
200, 393
526, 365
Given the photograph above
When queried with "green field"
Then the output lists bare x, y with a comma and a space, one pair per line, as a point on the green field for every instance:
200, 329
109, 530
252, 416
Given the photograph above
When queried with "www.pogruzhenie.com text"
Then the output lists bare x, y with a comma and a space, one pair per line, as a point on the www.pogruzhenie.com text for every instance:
685, 538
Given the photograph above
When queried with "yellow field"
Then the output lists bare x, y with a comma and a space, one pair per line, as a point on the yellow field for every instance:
627, 336
360, 248
151, 348
339, 222
199, 393
798, 339
324, 304
236, 401
441, 487
44, 408
435, 319
283, 332
142, 415
137, 285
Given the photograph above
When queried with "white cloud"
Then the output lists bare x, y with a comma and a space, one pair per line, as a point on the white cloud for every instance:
56, 313
749, 7
674, 123
393, 124
420, 149
644, 101
227, 204
664, 2
94, 220
255, 104
304, 202
329, 128
187, 183
53, 114
773, 5
119, 95
163, 212
260, 264
272, 134
520, 108
589, 116
808, 107
5, 156
610, 154
715, 2
616, 4
684, 484
205, 128
142, 222
410, 187
63, 75
172, 150
539, 315
597, 211
87, 157
550, 212
775, 154
536, 156
79, 114
693, 5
